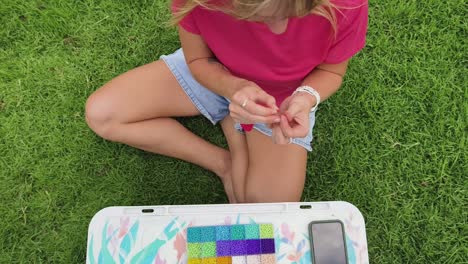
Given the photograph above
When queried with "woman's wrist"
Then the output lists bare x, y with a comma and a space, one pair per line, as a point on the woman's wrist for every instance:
310, 99
234, 84
310, 94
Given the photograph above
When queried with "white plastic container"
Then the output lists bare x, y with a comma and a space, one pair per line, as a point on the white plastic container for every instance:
157, 234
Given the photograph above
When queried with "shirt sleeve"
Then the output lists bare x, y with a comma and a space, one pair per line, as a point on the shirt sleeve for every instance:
188, 22
351, 33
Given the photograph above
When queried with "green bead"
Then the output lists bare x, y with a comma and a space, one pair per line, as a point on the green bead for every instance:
208, 249
237, 232
194, 250
252, 232
266, 231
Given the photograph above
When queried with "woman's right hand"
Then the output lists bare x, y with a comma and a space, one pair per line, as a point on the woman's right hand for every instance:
250, 104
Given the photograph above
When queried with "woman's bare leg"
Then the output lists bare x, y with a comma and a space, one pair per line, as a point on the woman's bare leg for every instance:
276, 173
263, 171
239, 157
135, 109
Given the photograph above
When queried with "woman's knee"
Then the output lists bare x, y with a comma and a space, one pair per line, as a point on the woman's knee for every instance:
257, 191
100, 115
260, 195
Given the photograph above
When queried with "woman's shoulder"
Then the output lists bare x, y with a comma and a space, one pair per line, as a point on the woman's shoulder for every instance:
349, 10
208, 4
349, 4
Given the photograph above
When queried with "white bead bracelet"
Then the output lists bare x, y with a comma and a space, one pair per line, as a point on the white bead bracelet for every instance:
311, 91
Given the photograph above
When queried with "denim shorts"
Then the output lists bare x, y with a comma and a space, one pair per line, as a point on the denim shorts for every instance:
213, 106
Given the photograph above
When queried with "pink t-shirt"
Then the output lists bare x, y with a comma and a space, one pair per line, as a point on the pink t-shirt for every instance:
278, 63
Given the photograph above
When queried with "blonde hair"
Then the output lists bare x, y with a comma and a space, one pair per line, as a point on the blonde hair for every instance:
248, 9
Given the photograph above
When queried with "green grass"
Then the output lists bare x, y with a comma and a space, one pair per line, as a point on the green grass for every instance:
392, 141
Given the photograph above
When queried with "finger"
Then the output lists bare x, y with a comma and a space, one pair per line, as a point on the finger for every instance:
298, 128
235, 117
270, 101
293, 111
258, 109
264, 98
275, 122
255, 94
299, 131
285, 104
246, 116
286, 127
271, 119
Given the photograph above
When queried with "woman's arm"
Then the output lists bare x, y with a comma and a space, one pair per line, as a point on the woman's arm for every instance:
204, 66
247, 99
326, 79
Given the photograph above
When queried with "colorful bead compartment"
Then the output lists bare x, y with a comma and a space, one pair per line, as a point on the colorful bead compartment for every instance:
234, 244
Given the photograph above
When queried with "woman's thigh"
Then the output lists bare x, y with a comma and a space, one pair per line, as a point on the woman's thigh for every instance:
276, 173
146, 92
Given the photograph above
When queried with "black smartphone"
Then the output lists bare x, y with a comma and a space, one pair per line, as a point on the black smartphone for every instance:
328, 242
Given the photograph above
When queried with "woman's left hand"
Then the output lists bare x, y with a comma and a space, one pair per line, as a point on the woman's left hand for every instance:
295, 112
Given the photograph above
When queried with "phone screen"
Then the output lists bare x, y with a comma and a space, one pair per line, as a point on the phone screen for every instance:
328, 243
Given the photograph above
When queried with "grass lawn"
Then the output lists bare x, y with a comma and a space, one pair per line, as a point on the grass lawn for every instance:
392, 141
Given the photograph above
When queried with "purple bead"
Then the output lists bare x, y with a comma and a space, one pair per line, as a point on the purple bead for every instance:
223, 248
238, 247
268, 246
254, 247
